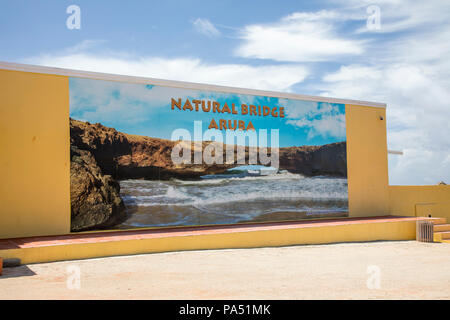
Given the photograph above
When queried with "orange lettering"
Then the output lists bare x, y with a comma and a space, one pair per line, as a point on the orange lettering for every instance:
216, 106
226, 108
241, 125
244, 109
234, 109
223, 124
213, 124
175, 103
187, 105
274, 112
204, 108
196, 102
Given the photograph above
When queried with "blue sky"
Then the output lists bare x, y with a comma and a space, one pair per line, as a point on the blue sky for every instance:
146, 110
328, 48
162, 28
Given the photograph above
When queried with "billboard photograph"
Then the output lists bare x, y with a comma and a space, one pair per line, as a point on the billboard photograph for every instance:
157, 156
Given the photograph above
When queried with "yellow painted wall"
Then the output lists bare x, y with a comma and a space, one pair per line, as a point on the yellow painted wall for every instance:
34, 154
35, 160
367, 161
395, 230
420, 201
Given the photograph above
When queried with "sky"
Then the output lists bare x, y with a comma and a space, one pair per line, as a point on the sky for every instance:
144, 109
332, 48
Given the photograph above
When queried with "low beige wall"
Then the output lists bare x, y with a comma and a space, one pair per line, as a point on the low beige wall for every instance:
420, 201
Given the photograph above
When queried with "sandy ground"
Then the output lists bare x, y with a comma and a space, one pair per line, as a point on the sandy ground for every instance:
376, 270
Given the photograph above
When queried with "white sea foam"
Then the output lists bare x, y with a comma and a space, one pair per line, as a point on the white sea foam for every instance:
176, 196
223, 179
231, 199
172, 192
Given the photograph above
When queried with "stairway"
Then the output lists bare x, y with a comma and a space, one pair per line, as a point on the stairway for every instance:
441, 230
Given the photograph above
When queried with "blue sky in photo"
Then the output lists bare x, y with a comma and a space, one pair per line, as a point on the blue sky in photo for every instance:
396, 52
146, 110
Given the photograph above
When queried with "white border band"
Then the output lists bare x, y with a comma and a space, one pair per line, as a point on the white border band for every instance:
178, 84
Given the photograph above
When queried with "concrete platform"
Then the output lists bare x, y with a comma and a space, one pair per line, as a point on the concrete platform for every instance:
112, 243
333, 271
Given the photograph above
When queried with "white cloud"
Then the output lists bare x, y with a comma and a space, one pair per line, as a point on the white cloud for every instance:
410, 71
326, 127
84, 45
417, 115
302, 36
130, 103
405, 64
427, 165
353, 72
322, 119
404, 15
298, 109
205, 27
280, 77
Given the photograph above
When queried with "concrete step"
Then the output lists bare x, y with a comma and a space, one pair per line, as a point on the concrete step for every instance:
443, 234
438, 220
441, 227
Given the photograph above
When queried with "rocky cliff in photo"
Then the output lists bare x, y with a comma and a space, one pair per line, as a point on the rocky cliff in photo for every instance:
94, 197
125, 156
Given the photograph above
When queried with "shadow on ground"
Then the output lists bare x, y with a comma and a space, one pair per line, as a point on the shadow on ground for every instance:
15, 272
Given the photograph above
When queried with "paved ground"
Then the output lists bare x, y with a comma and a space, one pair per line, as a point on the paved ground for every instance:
386, 270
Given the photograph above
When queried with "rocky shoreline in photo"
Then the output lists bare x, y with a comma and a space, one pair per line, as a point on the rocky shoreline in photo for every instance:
94, 197
100, 156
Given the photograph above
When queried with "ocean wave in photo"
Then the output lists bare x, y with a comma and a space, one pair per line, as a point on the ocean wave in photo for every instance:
232, 198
